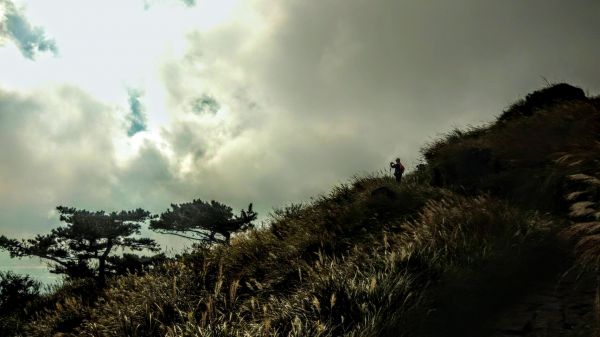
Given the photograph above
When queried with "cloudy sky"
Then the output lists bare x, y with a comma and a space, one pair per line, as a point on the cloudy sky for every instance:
117, 104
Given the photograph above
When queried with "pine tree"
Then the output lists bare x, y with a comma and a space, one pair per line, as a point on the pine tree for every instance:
209, 222
83, 247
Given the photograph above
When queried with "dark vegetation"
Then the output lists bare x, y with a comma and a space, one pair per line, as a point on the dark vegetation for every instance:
82, 248
494, 211
17, 294
209, 222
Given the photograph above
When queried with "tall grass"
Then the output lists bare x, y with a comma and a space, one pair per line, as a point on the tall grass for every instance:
515, 160
321, 275
584, 197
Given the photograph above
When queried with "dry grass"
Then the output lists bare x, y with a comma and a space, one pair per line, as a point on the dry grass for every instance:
584, 196
515, 160
368, 288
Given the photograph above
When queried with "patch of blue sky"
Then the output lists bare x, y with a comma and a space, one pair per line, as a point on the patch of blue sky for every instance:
29, 39
137, 118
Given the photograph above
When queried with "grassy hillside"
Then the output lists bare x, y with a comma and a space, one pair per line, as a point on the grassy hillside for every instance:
495, 212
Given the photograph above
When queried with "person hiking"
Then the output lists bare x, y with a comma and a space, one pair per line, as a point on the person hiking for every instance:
398, 169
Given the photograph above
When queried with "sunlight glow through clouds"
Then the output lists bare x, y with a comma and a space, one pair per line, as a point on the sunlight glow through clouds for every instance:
104, 56
107, 48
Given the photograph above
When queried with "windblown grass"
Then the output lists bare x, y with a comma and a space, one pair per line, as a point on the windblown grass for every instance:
584, 196
304, 277
515, 160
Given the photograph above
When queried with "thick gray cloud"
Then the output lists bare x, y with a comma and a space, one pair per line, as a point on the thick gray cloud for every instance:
56, 147
322, 92
29, 39
332, 88
407, 63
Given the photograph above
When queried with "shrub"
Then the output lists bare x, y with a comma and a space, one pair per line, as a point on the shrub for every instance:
17, 292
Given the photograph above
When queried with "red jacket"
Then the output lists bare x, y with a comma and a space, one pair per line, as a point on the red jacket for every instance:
398, 168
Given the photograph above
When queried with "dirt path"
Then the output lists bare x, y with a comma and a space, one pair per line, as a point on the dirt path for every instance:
562, 306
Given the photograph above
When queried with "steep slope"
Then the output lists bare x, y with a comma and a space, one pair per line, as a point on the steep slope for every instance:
457, 250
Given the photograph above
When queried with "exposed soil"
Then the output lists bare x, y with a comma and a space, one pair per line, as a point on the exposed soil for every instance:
562, 306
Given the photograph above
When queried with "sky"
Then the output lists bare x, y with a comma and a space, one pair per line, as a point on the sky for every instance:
119, 104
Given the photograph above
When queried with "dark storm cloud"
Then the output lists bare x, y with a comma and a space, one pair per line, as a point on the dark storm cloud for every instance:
29, 39
136, 118
345, 86
423, 61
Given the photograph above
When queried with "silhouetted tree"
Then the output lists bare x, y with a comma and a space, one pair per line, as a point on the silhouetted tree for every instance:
82, 248
210, 222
